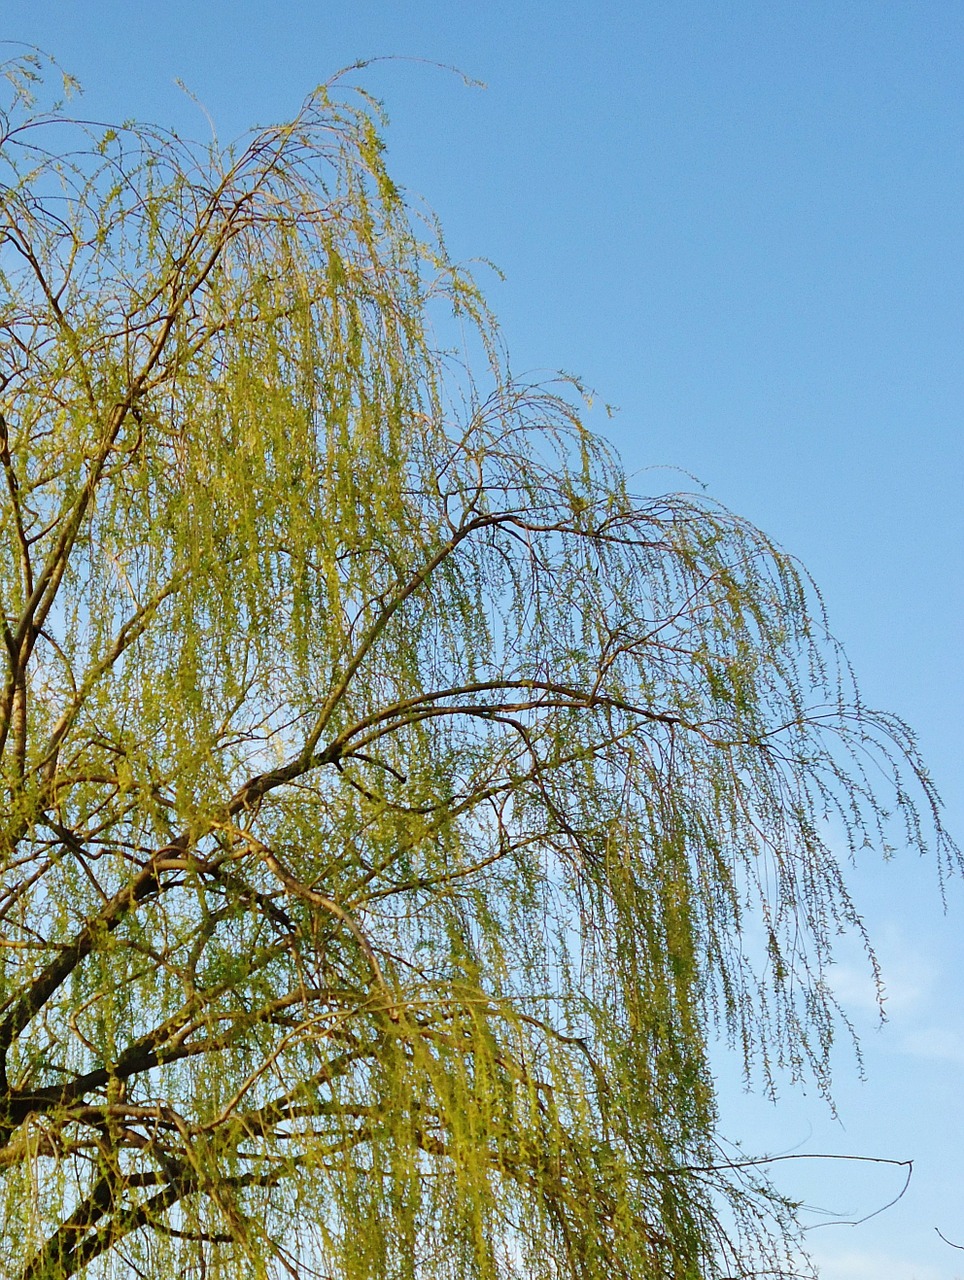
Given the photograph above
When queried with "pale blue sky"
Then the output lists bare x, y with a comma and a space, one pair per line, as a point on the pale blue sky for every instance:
742, 223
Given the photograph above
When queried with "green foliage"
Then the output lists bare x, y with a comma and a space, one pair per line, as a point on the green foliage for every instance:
393, 805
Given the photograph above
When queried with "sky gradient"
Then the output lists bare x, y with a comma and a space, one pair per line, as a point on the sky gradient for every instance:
741, 223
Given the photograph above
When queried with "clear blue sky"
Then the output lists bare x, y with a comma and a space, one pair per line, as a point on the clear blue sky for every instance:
741, 221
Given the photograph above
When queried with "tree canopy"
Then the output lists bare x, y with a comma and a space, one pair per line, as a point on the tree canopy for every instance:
394, 806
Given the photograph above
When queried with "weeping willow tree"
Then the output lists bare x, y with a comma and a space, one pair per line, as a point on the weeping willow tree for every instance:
394, 808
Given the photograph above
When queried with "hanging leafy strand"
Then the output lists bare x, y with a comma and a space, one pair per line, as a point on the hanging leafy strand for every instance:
393, 806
